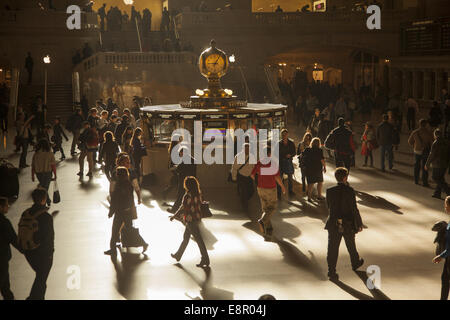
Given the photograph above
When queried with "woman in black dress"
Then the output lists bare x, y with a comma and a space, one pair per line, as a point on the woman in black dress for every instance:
138, 151
314, 168
302, 146
123, 209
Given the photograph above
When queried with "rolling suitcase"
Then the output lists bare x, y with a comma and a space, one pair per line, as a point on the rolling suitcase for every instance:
9, 177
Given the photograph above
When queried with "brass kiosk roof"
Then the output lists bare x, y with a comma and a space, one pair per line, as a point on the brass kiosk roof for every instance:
178, 109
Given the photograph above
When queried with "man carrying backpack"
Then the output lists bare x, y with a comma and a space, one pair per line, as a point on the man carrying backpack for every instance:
341, 141
7, 237
36, 239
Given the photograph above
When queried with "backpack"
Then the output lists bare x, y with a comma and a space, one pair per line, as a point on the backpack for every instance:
440, 228
28, 226
92, 139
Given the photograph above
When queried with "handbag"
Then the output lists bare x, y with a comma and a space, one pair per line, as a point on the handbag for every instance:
205, 212
130, 237
56, 195
131, 211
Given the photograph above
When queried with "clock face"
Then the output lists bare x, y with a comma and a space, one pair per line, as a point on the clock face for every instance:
215, 63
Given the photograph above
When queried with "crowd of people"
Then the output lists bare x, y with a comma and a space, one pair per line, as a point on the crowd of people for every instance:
113, 138
116, 20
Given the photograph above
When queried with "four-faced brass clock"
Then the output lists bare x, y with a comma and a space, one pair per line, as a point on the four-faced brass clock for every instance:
213, 65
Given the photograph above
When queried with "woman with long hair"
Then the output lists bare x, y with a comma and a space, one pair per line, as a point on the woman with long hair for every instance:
43, 165
191, 211
314, 168
302, 146
138, 150
108, 153
368, 140
123, 209
126, 139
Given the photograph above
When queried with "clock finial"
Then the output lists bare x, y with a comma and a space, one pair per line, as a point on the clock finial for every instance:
213, 43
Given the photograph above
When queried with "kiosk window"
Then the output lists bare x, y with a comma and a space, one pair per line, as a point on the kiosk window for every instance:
163, 129
214, 127
278, 123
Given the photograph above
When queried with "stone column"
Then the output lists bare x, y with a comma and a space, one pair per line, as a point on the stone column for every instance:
415, 84
405, 85
427, 93
438, 84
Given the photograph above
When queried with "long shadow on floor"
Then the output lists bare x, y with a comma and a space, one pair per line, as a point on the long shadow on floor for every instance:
376, 293
207, 289
375, 173
316, 210
125, 273
293, 256
353, 292
89, 185
376, 202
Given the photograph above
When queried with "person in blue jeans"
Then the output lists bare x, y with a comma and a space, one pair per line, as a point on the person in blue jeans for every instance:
445, 278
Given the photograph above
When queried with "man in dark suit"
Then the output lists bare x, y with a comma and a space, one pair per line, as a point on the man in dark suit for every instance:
344, 221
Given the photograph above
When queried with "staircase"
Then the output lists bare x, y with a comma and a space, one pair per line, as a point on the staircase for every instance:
59, 101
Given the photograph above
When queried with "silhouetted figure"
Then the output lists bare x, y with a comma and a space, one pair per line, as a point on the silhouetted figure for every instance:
87, 51
183, 170
39, 252
102, 13
146, 22
344, 221
439, 160
341, 141
385, 138
29, 63
445, 278
305, 8
8, 239
76, 59
278, 9
165, 21
123, 209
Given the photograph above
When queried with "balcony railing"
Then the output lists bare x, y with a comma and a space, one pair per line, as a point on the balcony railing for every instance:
309, 20
114, 59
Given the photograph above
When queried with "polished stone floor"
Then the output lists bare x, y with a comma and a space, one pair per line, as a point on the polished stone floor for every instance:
398, 215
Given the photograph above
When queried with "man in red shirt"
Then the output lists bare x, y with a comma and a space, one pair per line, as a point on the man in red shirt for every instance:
268, 178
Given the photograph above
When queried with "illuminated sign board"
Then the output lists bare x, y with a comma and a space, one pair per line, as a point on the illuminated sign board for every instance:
320, 6
215, 116
241, 116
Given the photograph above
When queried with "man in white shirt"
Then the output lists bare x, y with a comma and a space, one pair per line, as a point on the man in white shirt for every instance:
240, 173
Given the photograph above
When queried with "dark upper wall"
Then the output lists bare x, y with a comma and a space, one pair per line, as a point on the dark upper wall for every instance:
212, 5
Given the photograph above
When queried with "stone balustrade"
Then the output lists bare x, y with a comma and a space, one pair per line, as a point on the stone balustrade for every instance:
130, 58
